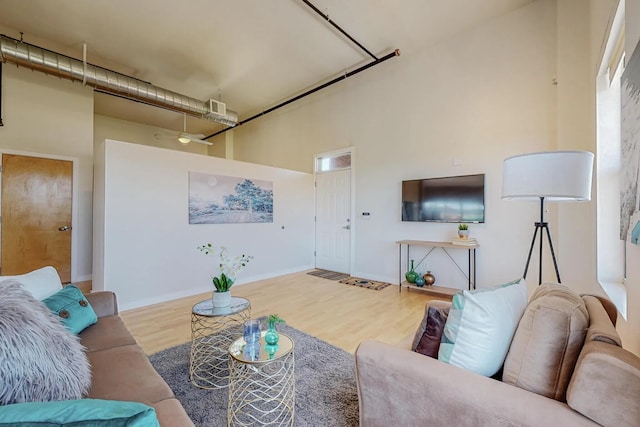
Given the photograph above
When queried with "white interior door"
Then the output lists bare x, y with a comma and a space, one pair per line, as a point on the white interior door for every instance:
333, 221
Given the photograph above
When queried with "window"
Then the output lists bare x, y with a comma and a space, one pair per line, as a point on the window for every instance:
610, 248
333, 162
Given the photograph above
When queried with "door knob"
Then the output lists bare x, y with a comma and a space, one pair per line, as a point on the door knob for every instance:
64, 228
347, 227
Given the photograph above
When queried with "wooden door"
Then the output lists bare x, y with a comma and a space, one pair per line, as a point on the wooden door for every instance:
36, 215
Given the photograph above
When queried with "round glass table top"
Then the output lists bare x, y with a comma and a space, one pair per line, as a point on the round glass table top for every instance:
206, 308
260, 352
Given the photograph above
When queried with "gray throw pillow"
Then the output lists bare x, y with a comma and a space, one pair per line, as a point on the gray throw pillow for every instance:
40, 360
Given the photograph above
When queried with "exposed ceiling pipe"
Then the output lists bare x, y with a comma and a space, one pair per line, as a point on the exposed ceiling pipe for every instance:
337, 27
110, 82
313, 90
344, 76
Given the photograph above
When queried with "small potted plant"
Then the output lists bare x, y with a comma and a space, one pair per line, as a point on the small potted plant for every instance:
463, 231
228, 269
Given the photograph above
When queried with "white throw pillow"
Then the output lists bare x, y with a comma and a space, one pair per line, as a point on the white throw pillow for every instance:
481, 325
41, 283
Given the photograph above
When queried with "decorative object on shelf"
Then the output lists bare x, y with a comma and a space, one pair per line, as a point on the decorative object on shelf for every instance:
411, 275
271, 337
469, 241
445, 247
463, 231
429, 278
229, 268
419, 281
550, 176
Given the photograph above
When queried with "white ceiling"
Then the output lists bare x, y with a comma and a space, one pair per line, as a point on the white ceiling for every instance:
251, 54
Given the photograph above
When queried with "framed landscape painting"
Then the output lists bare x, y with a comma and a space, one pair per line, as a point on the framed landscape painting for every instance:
219, 199
630, 147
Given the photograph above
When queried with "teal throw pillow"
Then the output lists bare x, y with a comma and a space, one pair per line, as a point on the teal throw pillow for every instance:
481, 325
73, 309
83, 412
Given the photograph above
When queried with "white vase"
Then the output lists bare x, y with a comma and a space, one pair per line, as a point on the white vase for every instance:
221, 299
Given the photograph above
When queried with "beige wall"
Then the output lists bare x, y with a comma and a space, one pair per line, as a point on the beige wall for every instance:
575, 117
458, 107
49, 117
121, 130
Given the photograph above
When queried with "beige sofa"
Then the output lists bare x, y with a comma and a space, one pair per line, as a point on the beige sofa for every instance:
397, 386
120, 369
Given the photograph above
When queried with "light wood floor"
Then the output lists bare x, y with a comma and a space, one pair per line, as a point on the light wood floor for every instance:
340, 314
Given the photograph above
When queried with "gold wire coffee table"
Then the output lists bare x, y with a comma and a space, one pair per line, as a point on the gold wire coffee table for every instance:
261, 383
212, 330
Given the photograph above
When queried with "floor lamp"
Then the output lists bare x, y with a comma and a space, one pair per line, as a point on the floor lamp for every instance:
551, 176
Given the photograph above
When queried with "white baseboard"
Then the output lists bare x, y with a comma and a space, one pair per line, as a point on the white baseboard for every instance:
206, 287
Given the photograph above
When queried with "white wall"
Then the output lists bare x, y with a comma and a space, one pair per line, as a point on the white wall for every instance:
459, 107
149, 248
48, 117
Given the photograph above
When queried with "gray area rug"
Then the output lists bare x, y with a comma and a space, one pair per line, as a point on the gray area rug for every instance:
326, 392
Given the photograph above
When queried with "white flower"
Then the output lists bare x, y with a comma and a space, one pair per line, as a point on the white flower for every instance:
228, 267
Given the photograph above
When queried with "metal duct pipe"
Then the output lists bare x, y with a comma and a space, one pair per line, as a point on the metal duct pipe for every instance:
36, 58
337, 27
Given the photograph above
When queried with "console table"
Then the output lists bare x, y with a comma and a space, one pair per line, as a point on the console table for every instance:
470, 274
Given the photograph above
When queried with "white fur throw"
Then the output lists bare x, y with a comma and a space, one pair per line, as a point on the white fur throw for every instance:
40, 360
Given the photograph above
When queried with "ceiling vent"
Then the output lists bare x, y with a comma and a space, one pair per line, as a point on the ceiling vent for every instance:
217, 107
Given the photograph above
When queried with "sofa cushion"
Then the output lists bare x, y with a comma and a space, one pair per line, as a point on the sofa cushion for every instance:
125, 373
83, 412
40, 283
427, 338
104, 303
72, 308
171, 413
41, 360
547, 342
107, 332
606, 384
480, 327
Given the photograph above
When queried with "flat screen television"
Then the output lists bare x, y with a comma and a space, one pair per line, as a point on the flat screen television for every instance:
446, 199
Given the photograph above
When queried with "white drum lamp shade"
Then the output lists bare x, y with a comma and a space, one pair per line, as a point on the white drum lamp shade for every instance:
558, 176
554, 176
